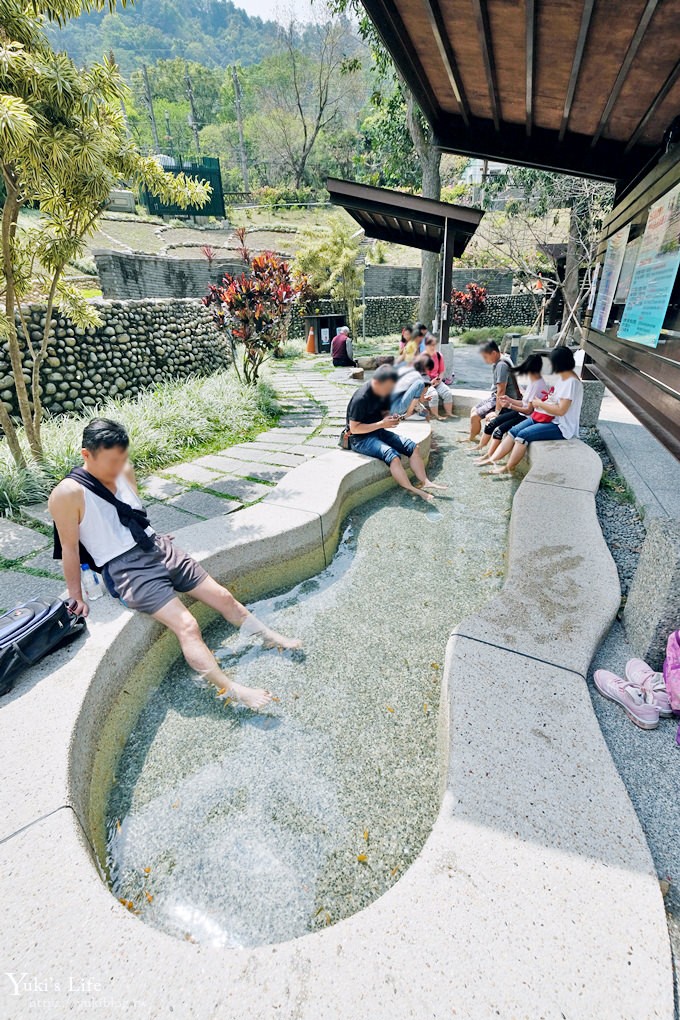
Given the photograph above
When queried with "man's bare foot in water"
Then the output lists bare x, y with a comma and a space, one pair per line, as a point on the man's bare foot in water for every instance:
427, 496
252, 627
254, 698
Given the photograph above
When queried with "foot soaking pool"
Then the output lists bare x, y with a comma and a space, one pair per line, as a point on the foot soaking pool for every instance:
234, 829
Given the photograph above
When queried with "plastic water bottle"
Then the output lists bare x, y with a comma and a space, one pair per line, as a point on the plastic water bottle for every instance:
91, 583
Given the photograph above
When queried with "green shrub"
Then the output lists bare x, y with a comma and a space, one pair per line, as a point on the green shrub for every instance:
276, 198
483, 333
172, 422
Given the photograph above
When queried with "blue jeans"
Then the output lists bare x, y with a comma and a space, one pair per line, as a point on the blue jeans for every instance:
402, 402
535, 431
383, 445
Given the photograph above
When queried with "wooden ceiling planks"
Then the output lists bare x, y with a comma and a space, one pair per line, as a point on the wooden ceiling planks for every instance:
542, 82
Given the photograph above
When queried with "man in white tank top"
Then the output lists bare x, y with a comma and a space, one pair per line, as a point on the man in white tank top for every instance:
146, 579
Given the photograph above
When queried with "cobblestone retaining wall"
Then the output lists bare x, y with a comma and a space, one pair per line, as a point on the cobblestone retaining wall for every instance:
388, 314
138, 344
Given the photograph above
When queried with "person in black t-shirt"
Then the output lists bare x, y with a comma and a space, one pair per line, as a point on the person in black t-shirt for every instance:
370, 424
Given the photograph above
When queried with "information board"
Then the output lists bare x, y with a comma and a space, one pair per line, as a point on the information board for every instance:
613, 260
654, 273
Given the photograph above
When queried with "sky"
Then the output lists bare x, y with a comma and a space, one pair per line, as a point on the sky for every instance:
278, 10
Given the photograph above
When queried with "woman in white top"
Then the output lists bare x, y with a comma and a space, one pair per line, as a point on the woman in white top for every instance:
555, 418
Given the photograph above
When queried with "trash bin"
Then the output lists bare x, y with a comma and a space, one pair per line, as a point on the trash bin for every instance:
325, 327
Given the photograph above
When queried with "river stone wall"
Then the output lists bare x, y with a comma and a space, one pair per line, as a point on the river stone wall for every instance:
138, 344
388, 314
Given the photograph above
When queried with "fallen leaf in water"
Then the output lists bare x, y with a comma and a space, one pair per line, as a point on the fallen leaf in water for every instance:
394, 871
435, 665
149, 897
362, 858
118, 825
222, 690
389, 708
425, 707
175, 805
188, 937
366, 835
275, 699
147, 871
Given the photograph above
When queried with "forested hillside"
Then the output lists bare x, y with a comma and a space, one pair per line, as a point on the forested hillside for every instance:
212, 32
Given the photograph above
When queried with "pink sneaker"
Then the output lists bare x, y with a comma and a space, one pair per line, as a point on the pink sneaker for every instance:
630, 698
652, 685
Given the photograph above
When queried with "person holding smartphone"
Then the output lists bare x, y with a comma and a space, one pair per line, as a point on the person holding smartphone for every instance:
370, 424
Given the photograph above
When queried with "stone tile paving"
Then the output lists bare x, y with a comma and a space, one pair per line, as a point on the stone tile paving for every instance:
313, 409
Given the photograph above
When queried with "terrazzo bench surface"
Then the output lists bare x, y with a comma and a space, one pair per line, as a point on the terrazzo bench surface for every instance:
535, 894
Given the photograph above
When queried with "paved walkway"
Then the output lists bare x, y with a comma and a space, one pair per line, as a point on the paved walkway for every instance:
313, 404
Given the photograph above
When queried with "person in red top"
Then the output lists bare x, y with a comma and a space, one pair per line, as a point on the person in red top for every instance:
438, 389
341, 349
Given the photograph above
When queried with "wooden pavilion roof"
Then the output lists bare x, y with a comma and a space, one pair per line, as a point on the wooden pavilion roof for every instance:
405, 219
581, 86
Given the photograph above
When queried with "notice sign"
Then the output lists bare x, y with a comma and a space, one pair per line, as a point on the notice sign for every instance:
613, 260
654, 274
627, 270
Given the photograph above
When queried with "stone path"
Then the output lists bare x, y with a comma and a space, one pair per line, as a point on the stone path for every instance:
313, 404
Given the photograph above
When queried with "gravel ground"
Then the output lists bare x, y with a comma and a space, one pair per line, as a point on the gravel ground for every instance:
648, 761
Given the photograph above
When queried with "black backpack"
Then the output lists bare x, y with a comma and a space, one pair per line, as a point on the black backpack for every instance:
31, 631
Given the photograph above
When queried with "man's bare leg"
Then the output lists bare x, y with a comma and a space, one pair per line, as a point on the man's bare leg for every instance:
475, 428
416, 462
398, 472
220, 598
177, 618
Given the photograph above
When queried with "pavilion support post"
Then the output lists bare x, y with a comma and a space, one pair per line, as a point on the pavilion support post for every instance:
446, 276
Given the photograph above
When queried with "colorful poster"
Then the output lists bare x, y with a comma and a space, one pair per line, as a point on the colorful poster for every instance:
613, 260
627, 270
654, 274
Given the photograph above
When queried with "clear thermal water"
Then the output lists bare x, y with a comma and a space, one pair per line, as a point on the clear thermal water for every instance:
236, 829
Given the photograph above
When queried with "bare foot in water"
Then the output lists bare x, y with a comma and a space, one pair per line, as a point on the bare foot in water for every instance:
254, 698
482, 461
502, 469
466, 439
254, 628
433, 485
427, 496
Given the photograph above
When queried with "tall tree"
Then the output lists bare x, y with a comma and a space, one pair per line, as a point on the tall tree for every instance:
421, 136
63, 146
305, 91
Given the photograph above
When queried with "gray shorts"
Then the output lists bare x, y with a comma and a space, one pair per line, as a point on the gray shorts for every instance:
485, 407
147, 580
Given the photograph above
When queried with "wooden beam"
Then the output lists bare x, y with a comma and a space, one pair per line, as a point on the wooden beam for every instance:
638, 36
542, 150
586, 16
484, 31
654, 106
530, 35
441, 36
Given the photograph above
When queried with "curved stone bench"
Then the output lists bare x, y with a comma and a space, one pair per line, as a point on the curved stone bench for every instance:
533, 897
